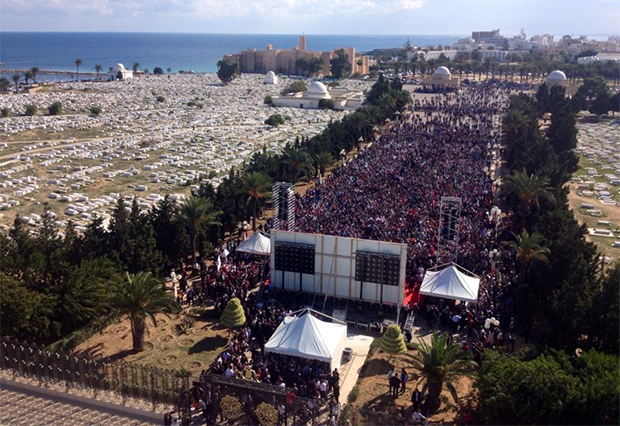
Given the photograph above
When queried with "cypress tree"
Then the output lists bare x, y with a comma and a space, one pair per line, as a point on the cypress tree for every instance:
392, 341
233, 316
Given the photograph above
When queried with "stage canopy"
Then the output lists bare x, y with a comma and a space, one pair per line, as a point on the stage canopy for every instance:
256, 244
306, 336
450, 283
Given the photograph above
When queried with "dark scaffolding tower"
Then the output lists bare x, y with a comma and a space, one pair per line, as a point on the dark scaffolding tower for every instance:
284, 206
448, 232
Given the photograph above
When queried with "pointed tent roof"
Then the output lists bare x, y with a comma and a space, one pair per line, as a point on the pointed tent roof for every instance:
450, 283
306, 336
256, 244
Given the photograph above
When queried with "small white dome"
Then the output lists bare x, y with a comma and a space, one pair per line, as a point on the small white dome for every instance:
442, 71
556, 77
119, 67
271, 78
317, 87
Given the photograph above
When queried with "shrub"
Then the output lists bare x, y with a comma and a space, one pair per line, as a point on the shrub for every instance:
275, 120
393, 341
231, 407
233, 316
95, 111
268, 100
160, 98
294, 87
326, 104
158, 71
55, 108
267, 414
31, 110
5, 112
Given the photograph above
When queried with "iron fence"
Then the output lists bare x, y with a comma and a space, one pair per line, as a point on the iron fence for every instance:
156, 385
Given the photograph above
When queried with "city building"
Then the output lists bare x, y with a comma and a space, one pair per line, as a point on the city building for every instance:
119, 72
601, 57
342, 98
282, 61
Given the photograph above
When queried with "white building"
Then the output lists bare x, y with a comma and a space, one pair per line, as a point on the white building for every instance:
556, 77
343, 99
119, 72
271, 78
441, 79
601, 57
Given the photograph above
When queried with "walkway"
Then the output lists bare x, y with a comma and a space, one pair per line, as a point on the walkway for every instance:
22, 404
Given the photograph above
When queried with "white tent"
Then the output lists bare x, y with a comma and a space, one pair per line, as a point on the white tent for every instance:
256, 244
306, 336
450, 283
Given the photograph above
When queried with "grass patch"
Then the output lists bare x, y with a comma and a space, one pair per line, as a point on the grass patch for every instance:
355, 392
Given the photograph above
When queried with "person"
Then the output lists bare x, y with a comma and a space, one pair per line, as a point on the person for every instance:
323, 389
168, 419
390, 374
417, 417
394, 386
403, 380
336, 389
416, 399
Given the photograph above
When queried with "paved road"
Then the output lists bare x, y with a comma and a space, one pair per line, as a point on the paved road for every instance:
22, 404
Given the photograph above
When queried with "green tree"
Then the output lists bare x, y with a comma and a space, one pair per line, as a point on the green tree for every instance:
158, 71
27, 76
139, 297
78, 63
95, 111
16, 78
257, 190
160, 99
309, 65
233, 316
439, 365
275, 120
5, 112
295, 87
268, 100
55, 108
98, 69
135, 67
197, 213
170, 233
296, 163
227, 70
169, 69
323, 160
33, 72
515, 391
528, 189
542, 98
392, 341
31, 109
528, 248
340, 65
604, 316
4, 84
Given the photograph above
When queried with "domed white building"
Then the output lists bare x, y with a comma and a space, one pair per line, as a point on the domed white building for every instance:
271, 78
556, 77
317, 90
316, 95
441, 80
119, 72
442, 73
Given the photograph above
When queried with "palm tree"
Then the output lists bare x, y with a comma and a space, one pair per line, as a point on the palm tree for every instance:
98, 69
440, 364
257, 189
297, 163
34, 71
529, 189
78, 62
197, 213
135, 66
139, 297
169, 69
528, 248
323, 160
16, 78
27, 75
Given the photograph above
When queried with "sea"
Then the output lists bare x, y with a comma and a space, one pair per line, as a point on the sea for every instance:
197, 52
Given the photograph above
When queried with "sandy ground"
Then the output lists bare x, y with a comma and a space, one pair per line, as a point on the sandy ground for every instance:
166, 346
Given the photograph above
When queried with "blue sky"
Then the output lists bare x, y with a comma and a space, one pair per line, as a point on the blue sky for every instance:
314, 16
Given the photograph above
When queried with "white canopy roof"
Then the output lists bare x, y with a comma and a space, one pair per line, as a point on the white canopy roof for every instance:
256, 244
308, 337
450, 283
